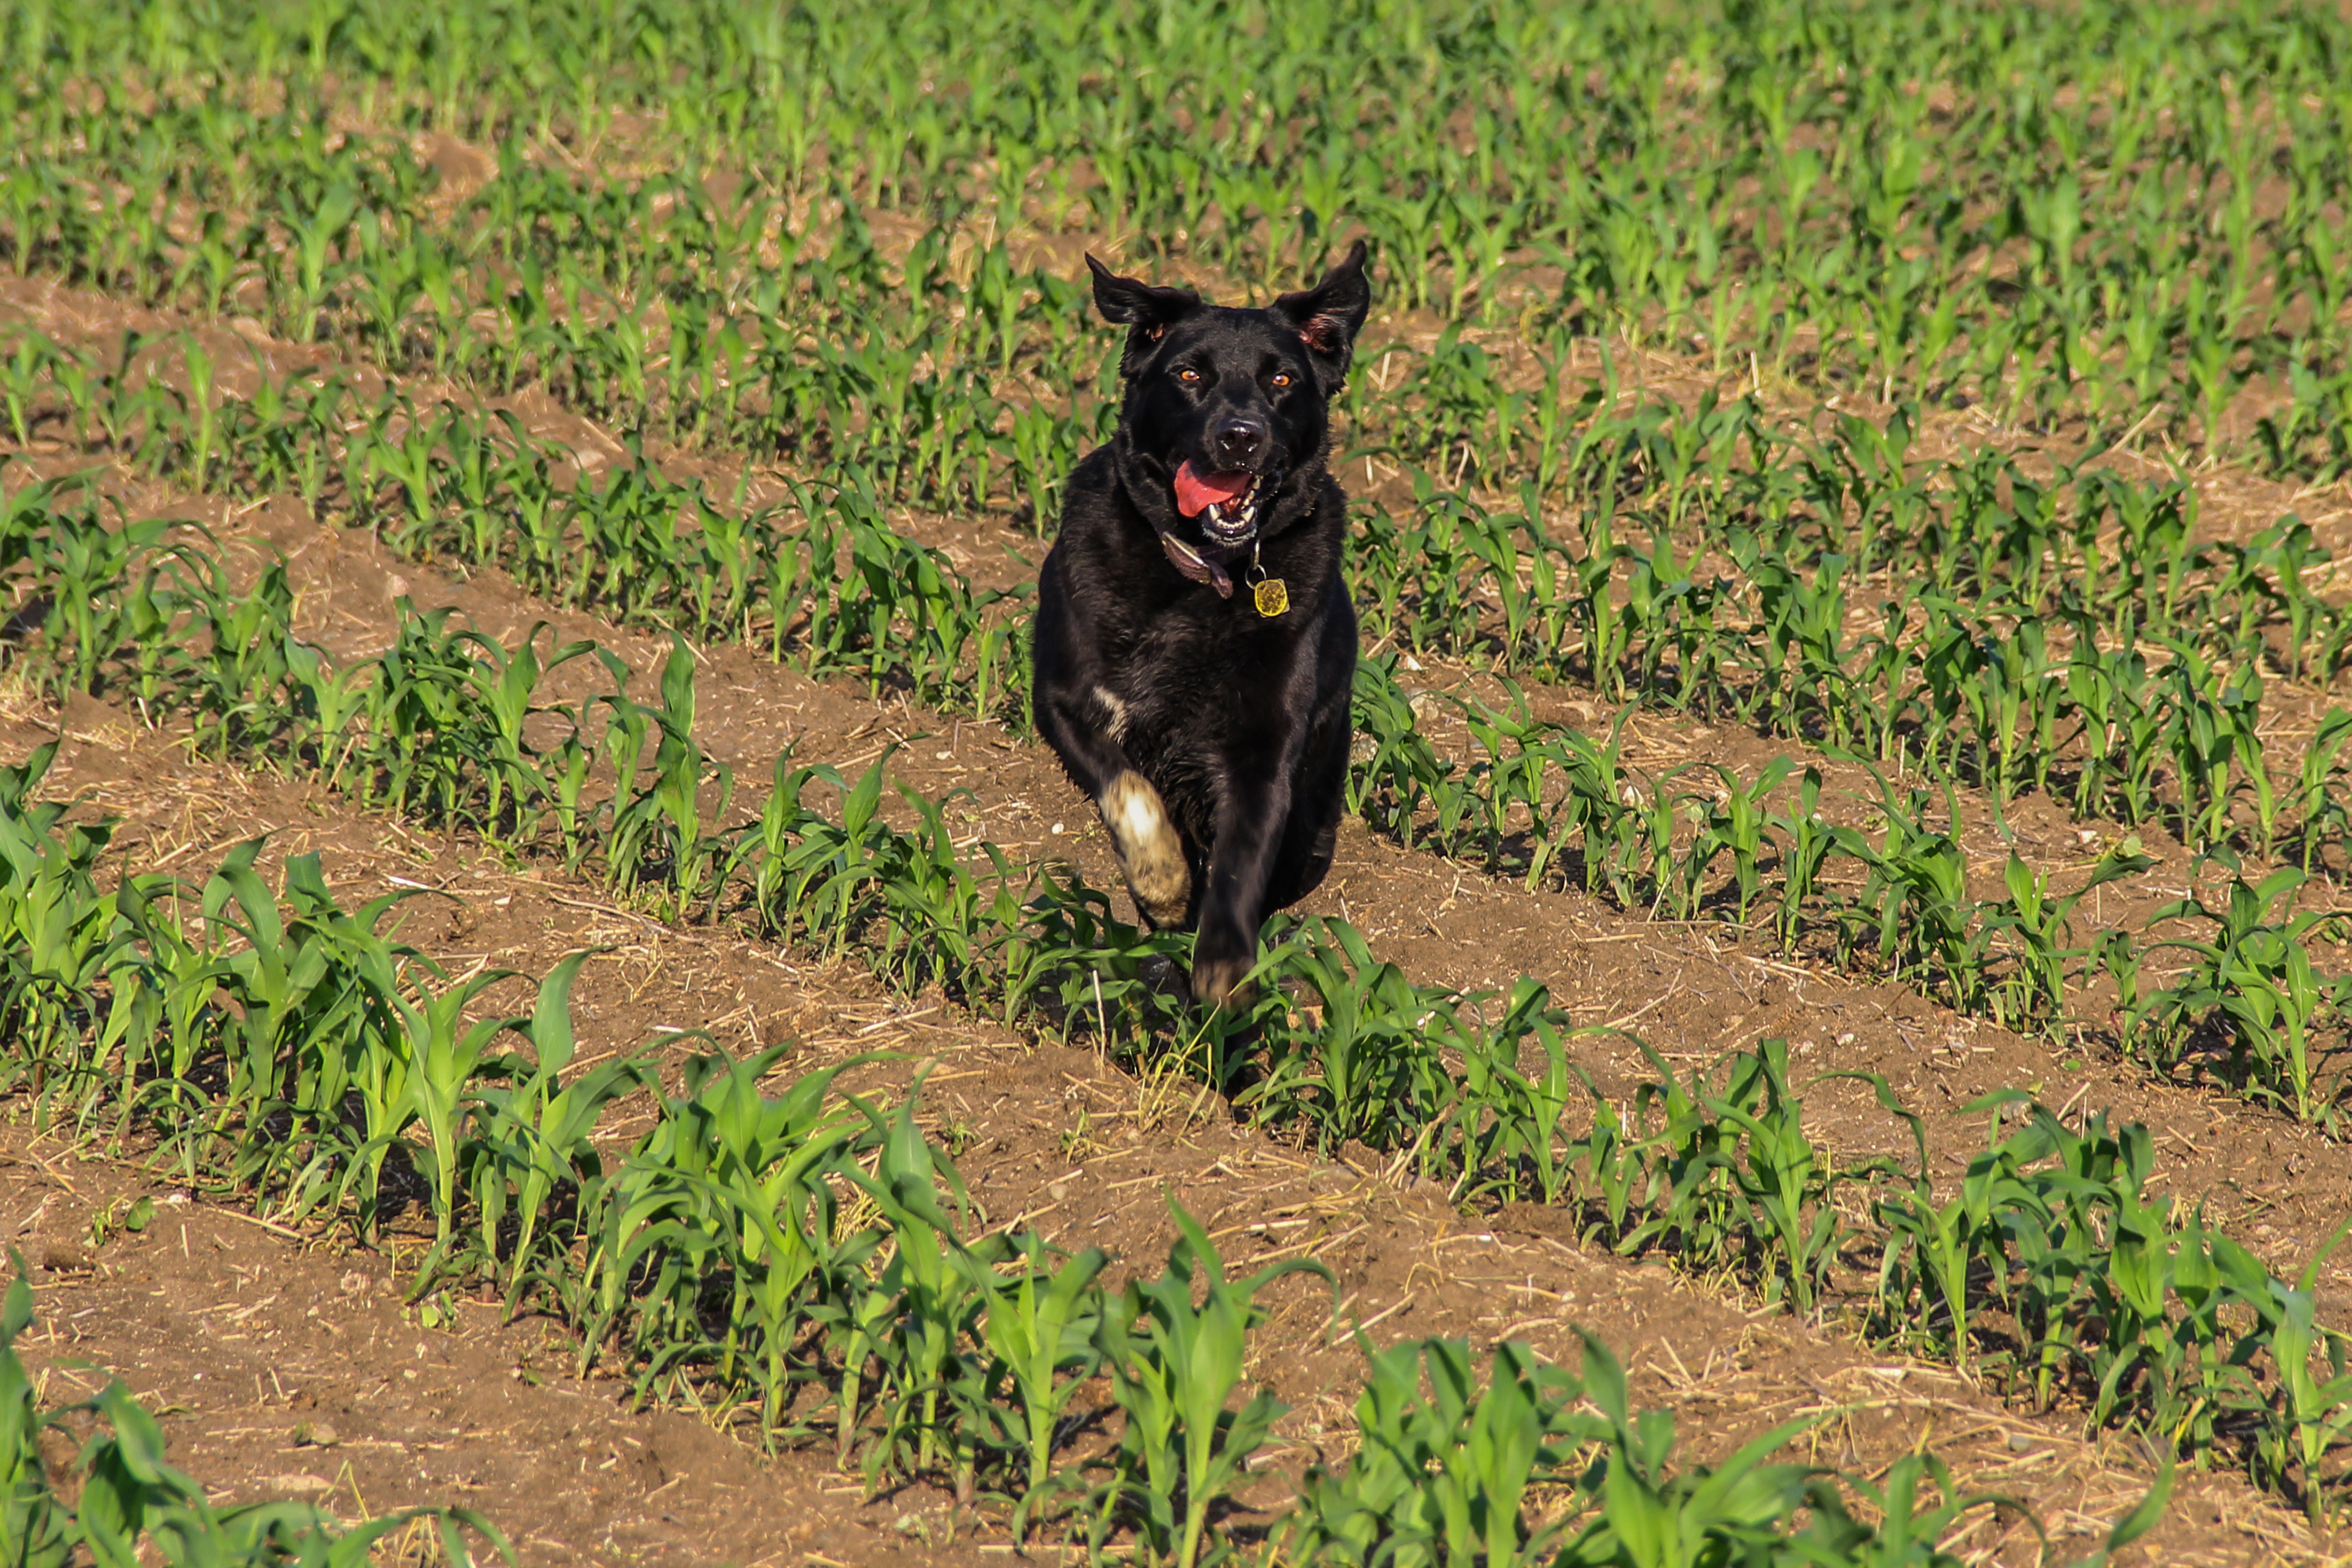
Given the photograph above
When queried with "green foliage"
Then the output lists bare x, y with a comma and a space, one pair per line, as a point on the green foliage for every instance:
530, 1145
1455, 1475
1038, 1322
2056, 1270
1444, 1476
1175, 1366
1709, 181
849, 1293
2255, 984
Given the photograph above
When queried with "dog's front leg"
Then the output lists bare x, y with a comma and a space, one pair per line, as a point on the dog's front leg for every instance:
1250, 821
1083, 726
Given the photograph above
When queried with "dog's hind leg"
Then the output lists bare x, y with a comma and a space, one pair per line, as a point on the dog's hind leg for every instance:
1310, 834
1150, 851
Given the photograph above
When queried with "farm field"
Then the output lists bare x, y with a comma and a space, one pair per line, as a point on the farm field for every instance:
556, 1009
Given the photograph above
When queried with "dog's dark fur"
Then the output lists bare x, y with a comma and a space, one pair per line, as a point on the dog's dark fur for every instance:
1213, 739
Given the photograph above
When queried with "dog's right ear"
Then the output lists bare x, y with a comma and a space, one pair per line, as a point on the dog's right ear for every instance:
1146, 308
1330, 315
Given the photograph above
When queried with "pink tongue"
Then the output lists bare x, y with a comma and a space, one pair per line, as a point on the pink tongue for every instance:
1195, 490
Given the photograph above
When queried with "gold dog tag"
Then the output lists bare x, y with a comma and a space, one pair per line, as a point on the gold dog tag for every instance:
1273, 597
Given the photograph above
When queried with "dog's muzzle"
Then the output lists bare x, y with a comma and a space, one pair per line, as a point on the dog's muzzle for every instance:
1235, 523
1226, 503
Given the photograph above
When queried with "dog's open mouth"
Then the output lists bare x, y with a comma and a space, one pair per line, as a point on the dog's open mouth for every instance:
1226, 503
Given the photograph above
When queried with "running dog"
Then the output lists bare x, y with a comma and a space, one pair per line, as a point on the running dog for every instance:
1195, 645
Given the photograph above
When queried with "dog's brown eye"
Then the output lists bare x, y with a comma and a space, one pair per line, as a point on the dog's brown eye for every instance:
1282, 378
1188, 374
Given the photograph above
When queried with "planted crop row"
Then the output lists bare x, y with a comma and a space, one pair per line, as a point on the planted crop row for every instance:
643, 548
1720, 486
1964, 619
2074, 227
1551, 805
826, 580
443, 724
325, 1017
438, 725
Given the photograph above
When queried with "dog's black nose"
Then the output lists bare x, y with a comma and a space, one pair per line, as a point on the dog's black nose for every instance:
1239, 442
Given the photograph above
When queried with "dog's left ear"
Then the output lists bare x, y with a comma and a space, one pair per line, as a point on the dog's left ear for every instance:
1330, 315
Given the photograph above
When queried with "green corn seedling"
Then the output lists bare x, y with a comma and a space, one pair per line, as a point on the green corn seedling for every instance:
1442, 1476
1038, 1325
1175, 1366
529, 1138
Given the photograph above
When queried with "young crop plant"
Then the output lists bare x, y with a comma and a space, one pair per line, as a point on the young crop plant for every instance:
314, 992
1734, 824
1731, 1180
2323, 809
735, 1184
2315, 1404
2033, 922
2252, 990
1543, 1467
1038, 1323
919, 1313
1444, 1470
59, 933
528, 1163
97, 594
1373, 1068
656, 826
1508, 1134
2312, 438
1175, 1366
908, 900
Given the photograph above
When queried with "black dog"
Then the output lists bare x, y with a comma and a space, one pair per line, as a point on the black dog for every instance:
1195, 647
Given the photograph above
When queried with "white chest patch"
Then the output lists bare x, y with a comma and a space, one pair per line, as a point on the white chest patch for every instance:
1116, 728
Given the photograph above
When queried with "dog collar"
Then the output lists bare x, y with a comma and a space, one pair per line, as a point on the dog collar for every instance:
1201, 566
1270, 594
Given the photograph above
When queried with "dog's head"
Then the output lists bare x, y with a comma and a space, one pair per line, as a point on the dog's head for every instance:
1227, 411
